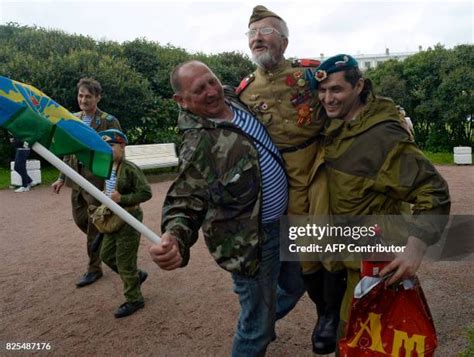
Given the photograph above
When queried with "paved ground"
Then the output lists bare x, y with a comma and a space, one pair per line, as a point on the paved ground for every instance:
188, 312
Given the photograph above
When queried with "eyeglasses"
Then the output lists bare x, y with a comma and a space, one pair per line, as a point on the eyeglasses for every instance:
263, 31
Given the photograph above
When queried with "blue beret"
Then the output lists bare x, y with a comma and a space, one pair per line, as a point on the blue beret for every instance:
334, 64
113, 136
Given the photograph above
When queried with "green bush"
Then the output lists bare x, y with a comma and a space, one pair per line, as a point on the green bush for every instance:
134, 76
434, 86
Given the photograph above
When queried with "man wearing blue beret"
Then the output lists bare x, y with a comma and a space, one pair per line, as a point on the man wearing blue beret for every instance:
369, 165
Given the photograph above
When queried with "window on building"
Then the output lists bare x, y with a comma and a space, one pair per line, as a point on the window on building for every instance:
367, 64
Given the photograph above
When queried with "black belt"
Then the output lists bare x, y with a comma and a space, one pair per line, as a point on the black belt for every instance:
304, 144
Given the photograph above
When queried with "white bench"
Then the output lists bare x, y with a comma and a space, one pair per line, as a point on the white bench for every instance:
151, 156
463, 155
33, 167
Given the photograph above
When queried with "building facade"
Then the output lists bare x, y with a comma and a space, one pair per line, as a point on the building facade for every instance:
374, 60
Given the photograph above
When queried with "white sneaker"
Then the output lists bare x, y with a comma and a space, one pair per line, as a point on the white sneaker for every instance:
23, 189
34, 183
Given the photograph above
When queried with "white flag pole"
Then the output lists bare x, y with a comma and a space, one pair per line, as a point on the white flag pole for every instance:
100, 196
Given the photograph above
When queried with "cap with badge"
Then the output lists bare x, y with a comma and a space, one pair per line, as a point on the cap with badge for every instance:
113, 136
334, 64
261, 12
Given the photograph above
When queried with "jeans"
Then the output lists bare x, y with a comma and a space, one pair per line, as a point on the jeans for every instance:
20, 166
266, 297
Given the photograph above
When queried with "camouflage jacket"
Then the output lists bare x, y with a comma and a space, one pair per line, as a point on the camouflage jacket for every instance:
101, 121
372, 167
132, 185
218, 188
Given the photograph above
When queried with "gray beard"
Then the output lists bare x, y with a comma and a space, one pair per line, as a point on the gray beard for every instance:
265, 60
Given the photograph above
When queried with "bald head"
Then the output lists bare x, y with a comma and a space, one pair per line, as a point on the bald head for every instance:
198, 90
181, 70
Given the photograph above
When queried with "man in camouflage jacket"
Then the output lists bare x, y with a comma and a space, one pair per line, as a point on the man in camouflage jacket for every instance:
221, 187
369, 165
88, 96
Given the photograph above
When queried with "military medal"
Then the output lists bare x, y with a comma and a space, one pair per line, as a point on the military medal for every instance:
298, 74
304, 114
290, 81
299, 98
301, 82
261, 107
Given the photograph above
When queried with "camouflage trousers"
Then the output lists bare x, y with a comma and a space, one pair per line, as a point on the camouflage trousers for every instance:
80, 201
119, 251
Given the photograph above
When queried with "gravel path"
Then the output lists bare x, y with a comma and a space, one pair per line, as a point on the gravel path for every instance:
191, 311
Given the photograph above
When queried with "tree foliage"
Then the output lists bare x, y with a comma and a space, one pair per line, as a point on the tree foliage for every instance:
436, 87
134, 76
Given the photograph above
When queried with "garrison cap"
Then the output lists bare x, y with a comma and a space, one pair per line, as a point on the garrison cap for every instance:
113, 136
260, 12
334, 64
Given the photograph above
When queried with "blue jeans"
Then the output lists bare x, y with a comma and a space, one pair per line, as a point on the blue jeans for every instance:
20, 166
266, 297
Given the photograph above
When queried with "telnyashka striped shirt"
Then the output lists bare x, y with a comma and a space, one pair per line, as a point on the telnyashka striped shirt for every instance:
87, 119
110, 183
274, 181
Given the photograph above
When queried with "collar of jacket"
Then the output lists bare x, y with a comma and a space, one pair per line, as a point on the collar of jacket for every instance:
279, 69
376, 111
95, 119
188, 120
97, 114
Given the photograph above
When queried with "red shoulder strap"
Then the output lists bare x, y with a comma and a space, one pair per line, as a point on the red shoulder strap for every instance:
244, 83
307, 62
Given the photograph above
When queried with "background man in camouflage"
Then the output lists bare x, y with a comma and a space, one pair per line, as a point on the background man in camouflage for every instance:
88, 96
279, 94
232, 183
369, 165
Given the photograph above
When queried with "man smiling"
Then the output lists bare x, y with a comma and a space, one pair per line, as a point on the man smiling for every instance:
279, 95
369, 165
89, 93
231, 182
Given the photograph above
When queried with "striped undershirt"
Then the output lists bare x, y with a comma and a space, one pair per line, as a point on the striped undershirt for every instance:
274, 182
87, 119
110, 183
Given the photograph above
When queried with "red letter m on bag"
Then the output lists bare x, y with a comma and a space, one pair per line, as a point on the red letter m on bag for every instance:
369, 337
